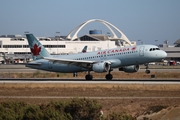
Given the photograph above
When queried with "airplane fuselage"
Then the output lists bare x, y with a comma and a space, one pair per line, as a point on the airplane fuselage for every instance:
118, 57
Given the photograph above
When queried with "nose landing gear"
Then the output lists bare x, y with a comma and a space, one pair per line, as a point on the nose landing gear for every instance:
147, 66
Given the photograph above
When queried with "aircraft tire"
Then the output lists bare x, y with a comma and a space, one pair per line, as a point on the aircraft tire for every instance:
148, 71
89, 77
109, 77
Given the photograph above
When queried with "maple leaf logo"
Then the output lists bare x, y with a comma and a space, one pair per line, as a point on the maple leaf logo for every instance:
83, 51
36, 50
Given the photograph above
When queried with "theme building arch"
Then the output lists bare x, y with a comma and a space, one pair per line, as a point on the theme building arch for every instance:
73, 34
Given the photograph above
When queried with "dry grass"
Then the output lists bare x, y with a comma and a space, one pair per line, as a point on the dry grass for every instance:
150, 87
106, 90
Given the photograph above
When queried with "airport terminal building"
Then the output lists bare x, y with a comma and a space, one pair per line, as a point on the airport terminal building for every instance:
15, 48
173, 51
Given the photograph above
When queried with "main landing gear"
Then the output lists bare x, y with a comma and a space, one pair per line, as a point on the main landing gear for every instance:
109, 76
89, 76
147, 66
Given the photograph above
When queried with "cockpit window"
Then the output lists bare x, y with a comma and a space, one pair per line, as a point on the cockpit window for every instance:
153, 49
157, 49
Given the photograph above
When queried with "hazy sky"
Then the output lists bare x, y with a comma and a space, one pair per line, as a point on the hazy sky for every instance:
145, 20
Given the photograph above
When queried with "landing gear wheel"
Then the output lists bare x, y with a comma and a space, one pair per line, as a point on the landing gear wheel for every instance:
89, 77
147, 66
147, 71
109, 77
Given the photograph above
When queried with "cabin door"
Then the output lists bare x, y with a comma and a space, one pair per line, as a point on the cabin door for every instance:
141, 51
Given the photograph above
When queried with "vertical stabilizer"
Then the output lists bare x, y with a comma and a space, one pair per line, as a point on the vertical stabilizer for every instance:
37, 49
84, 49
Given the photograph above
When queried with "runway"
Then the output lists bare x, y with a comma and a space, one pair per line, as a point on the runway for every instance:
150, 80
82, 81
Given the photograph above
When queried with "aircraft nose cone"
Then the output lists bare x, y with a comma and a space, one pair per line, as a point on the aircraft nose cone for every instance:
164, 54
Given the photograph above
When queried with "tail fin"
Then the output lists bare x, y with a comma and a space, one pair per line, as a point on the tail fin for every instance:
37, 49
84, 49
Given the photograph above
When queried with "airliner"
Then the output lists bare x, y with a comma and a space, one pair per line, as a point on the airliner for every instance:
126, 59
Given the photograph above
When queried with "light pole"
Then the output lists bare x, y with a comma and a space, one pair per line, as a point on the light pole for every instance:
108, 34
26, 32
140, 41
156, 42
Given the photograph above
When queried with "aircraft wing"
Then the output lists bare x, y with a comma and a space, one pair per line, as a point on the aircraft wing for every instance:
82, 63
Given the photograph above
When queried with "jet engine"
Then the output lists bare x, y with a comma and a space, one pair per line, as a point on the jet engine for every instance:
101, 67
130, 69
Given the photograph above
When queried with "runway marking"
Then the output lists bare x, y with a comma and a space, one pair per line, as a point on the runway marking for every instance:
95, 82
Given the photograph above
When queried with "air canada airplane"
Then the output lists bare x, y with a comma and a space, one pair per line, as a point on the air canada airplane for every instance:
126, 59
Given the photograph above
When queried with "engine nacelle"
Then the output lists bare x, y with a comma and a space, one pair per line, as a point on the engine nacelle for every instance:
130, 69
101, 67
